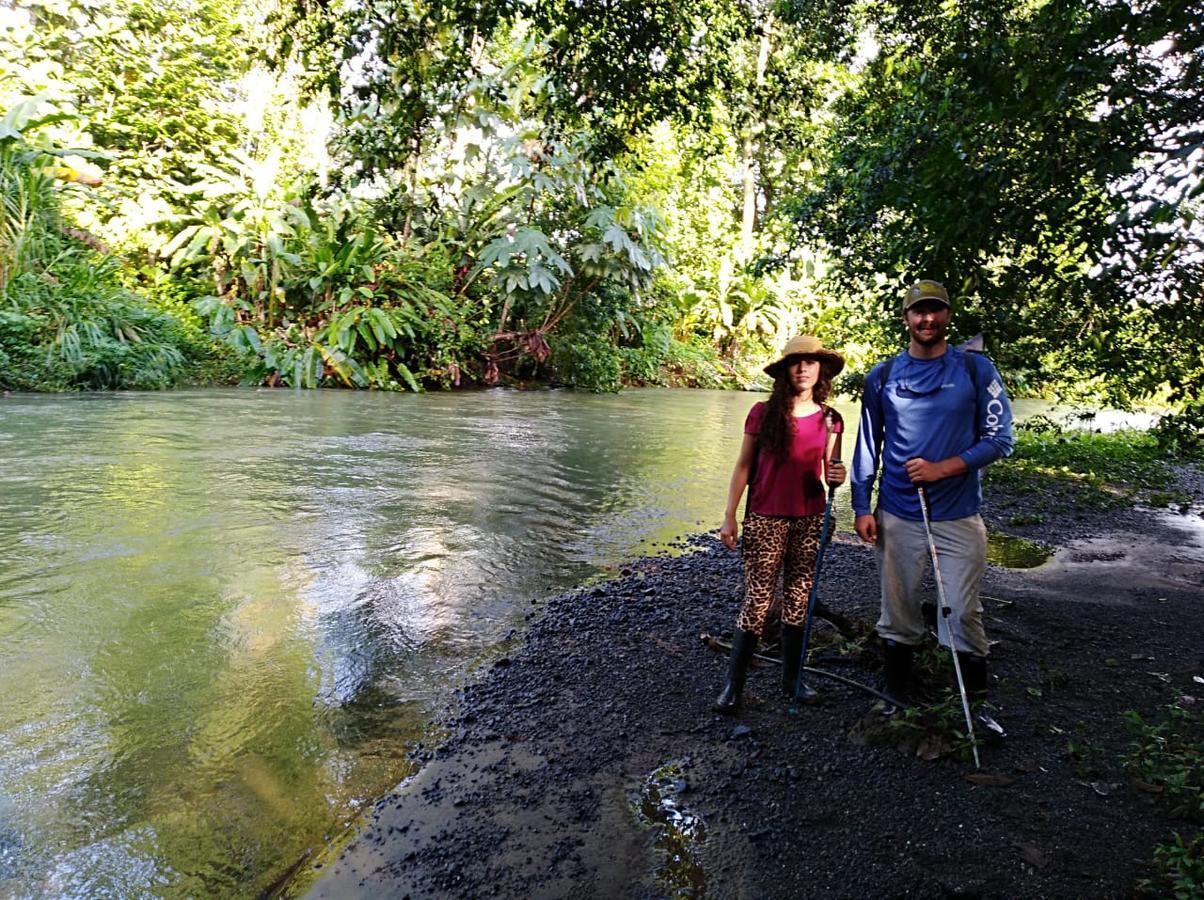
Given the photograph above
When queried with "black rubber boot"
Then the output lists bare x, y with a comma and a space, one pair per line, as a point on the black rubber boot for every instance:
928, 613
792, 646
974, 674
743, 645
896, 669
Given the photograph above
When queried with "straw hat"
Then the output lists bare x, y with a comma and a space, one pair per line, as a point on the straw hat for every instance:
807, 345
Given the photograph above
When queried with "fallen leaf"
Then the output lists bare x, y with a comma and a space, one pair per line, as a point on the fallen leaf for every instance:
1111, 663
1197, 679
1032, 855
1146, 786
932, 748
982, 778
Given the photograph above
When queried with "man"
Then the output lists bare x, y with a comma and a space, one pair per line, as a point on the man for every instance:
933, 416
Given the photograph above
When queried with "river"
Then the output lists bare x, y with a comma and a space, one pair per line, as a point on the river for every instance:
226, 615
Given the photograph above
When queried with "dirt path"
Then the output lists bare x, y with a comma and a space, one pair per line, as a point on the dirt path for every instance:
589, 763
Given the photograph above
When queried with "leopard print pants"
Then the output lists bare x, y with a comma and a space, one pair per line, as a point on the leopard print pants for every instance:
770, 541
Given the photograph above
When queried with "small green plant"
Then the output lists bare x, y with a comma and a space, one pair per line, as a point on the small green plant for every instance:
1178, 869
936, 728
1169, 754
1026, 519
935, 722
1165, 499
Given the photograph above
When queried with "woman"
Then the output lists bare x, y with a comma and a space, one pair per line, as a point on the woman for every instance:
791, 442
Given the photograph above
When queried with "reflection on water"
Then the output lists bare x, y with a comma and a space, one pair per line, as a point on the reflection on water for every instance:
225, 615
1013, 552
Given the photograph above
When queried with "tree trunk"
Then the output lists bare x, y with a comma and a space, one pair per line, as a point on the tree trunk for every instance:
748, 221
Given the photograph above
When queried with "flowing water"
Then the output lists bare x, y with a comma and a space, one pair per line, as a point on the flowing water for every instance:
226, 615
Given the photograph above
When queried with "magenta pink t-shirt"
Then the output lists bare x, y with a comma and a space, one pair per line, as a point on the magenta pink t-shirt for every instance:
793, 485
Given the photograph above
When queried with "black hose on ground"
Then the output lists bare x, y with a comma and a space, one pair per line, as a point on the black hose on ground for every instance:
851, 683
718, 644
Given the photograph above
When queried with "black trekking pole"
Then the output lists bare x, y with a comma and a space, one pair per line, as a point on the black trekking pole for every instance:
812, 598
944, 617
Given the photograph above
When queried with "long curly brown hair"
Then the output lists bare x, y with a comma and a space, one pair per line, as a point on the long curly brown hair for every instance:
777, 427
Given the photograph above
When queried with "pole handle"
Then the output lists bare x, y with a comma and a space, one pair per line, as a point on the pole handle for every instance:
835, 460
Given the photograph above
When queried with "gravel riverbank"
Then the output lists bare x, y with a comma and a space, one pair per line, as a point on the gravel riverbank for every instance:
588, 762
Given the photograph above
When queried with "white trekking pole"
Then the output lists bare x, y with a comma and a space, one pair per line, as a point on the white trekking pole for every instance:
944, 617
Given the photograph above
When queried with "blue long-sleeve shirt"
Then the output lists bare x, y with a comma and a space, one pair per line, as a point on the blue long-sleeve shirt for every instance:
930, 408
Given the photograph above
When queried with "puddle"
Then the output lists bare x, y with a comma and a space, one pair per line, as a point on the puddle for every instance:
1167, 555
1015, 552
679, 832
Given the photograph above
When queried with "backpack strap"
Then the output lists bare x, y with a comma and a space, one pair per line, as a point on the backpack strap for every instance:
883, 374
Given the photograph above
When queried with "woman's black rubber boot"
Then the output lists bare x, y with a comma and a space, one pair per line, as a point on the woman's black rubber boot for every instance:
743, 645
896, 669
792, 646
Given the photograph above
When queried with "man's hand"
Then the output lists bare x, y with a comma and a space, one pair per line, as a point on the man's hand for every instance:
921, 471
729, 532
867, 528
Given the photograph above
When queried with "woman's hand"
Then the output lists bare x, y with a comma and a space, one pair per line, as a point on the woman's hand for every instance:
729, 532
836, 472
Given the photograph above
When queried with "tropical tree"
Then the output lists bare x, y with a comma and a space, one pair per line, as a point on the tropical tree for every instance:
1041, 159
65, 319
152, 83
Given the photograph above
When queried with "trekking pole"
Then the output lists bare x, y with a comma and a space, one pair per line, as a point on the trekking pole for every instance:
812, 597
944, 617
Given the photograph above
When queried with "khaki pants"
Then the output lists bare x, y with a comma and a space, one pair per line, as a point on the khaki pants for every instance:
903, 561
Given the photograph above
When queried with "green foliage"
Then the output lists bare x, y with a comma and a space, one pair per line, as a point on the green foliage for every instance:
594, 364
1168, 754
610, 70
1083, 467
1179, 869
147, 81
66, 320
315, 288
311, 294
690, 184
937, 728
1181, 434
1031, 156
934, 725
72, 325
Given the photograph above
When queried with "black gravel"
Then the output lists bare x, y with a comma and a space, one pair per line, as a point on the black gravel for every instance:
588, 763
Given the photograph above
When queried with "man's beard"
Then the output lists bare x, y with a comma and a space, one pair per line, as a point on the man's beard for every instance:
935, 336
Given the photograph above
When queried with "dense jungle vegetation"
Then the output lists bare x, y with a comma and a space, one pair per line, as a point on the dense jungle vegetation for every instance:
406, 194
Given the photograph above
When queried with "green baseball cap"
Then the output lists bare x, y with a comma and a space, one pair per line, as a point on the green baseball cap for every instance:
925, 289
